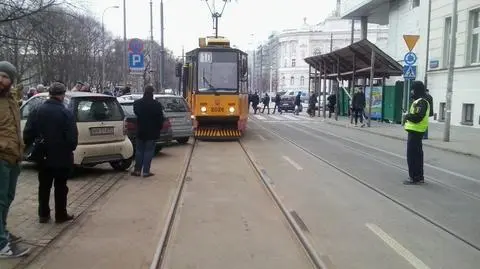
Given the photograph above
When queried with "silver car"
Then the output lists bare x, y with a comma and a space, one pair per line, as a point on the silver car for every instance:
176, 109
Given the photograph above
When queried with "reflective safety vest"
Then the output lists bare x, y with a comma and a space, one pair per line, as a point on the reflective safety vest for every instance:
422, 126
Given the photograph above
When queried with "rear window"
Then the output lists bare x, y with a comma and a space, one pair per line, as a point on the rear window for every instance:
128, 109
98, 109
173, 104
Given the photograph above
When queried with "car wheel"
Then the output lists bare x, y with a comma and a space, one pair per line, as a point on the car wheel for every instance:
121, 165
183, 140
157, 150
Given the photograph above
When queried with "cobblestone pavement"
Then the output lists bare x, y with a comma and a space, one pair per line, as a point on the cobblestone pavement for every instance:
86, 187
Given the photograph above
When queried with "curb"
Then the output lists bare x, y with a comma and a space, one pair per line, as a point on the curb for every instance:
403, 139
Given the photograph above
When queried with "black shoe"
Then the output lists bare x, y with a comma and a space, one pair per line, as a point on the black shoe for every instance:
13, 238
135, 174
413, 182
64, 218
11, 250
44, 219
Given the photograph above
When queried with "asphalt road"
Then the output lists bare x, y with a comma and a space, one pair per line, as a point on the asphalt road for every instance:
359, 214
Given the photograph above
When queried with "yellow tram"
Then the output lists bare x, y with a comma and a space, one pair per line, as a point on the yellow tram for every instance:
215, 83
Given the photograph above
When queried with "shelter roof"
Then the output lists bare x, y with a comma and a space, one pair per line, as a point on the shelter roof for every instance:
361, 51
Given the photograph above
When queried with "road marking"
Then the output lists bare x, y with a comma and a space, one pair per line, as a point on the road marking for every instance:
395, 155
259, 117
261, 137
293, 163
275, 117
290, 117
397, 247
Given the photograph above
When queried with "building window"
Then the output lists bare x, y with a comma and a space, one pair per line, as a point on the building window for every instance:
441, 112
283, 81
285, 63
447, 35
292, 80
415, 3
302, 80
474, 36
467, 114
294, 62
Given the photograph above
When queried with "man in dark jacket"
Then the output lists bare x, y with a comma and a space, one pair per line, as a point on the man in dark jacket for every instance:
277, 101
430, 102
266, 103
149, 123
298, 103
255, 102
358, 106
11, 149
416, 123
53, 123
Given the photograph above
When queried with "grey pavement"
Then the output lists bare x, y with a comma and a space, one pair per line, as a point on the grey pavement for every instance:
227, 219
363, 216
122, 229
464, 140
87, 186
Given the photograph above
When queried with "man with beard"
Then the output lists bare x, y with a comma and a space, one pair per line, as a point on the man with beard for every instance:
11, 149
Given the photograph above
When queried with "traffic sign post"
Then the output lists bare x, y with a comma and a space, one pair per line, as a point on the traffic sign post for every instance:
410, 58
136, 57
410, 72
409, 69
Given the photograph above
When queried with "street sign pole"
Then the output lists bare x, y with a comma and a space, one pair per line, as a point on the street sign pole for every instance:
451, 66
409, 69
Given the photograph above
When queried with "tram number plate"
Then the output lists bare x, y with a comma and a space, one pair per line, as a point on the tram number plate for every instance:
217, 109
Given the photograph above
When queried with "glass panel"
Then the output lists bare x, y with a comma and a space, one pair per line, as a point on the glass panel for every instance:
128, 109
173, 104
98, 109
217, 71
475, 49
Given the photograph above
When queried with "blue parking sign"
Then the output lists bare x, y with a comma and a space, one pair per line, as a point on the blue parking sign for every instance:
136, 60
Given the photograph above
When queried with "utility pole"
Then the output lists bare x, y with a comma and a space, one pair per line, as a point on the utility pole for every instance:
451, 66
125, 45
150, 50
427, 55
261, 68
162, 50
352, 34
331, 49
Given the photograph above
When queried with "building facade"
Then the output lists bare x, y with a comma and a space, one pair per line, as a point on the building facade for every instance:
284, 64
411, 17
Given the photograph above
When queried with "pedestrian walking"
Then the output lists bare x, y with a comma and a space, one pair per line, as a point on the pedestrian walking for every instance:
358, 106
255, 102
298, 103
11, 149
430, 102
149, 123
416, 124
266, 103
277, 100
51, 134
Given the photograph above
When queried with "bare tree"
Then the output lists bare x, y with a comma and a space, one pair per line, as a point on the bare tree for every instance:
12, 10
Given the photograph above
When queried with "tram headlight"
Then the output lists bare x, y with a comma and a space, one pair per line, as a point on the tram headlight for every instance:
231, 109
203, 109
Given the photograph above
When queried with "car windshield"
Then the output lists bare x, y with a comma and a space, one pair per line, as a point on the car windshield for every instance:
173, 104
92, 109
217, 71
128, 109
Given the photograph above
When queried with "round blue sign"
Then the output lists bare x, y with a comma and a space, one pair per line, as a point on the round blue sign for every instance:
135, 45
410, 58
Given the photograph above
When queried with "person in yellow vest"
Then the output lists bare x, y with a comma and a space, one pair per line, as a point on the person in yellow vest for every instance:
416, 124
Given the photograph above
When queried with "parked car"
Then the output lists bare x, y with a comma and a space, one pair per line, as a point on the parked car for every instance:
131, 127
177, 110
101, 129
287, 103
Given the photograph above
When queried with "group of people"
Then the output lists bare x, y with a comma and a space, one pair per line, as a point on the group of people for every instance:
51, 135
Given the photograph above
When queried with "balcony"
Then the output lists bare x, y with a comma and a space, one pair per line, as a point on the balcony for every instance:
376, 10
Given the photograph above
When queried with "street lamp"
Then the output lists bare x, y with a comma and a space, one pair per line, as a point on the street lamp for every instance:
103, 46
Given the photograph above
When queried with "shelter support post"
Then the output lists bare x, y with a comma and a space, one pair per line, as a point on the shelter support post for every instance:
337, 90
324, 107
364, 27
310, 77
370, 98
354, 69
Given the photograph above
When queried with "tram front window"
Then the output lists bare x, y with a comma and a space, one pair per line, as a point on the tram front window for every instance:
217, 71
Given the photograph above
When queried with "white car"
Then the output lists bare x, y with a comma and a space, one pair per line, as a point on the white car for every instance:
101, 129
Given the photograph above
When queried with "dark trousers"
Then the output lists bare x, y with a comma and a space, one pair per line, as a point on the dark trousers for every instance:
425, 136
415, 156
358, 113
144, 152
48, 176
8, 183
276, 107
267, 107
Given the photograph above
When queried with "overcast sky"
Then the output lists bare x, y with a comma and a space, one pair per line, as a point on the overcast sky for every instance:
187, 20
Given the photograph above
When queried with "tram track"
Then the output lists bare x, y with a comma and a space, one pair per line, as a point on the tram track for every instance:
290, 216
376, 189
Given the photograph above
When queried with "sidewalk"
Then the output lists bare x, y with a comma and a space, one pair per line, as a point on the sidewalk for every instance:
84, 190
463, 140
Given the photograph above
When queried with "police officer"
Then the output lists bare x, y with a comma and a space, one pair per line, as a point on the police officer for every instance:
416, 124
53, 123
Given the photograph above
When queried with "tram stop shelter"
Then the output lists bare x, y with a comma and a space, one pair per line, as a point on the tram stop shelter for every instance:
361, 60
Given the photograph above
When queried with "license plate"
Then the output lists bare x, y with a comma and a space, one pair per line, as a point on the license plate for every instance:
102, 131
217, 109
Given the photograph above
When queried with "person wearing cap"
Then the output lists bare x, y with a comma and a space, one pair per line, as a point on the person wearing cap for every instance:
11, 151
416, 124
40, 88
55, 125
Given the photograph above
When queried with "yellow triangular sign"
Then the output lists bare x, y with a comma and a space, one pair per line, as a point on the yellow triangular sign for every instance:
411, 41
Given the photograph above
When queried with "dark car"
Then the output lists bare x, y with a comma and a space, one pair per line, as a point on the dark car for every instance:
287, 103
166, 134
